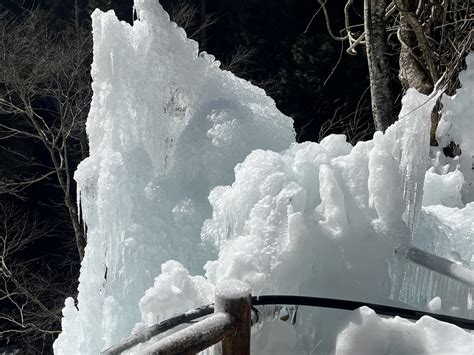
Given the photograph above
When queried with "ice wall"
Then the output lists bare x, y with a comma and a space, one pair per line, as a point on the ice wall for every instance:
165, 126
190, 166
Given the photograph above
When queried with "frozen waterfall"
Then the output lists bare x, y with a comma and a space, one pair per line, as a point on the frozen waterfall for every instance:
194, 177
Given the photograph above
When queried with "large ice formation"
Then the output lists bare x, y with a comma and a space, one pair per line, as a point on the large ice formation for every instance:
194, 178
166, 125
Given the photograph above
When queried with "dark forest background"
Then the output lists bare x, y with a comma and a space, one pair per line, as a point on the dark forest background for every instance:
281, 45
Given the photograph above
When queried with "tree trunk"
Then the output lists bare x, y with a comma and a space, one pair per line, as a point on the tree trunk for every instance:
64, 178
412, 74
417, 67
417, 60
382, 99
77, 226
84, 143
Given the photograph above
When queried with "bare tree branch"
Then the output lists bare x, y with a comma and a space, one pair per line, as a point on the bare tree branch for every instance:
44, 95
30, 296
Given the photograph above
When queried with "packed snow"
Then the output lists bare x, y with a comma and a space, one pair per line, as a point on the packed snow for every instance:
366, 333
194, 178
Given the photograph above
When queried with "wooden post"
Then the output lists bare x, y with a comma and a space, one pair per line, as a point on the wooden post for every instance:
233, 297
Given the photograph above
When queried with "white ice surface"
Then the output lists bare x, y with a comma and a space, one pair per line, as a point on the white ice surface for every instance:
366, 333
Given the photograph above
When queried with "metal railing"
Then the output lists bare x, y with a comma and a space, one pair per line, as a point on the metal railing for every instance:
229, 319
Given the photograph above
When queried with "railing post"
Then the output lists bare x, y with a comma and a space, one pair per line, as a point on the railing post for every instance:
233, 297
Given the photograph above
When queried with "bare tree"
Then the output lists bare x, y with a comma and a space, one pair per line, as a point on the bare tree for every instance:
352, 125
31, 293
433, 38
193, 18
44, 96
240, 60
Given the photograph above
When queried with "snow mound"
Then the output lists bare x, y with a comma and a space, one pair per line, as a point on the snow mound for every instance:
366, 333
